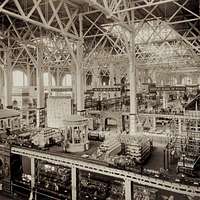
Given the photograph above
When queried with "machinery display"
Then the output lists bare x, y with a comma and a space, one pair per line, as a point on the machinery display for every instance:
47, 137
111, 149
76, 134
9, 120
100, 100
94, 187
96, 135
53, 180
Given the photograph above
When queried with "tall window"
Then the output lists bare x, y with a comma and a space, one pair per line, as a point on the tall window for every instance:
46, 79
19, 78
105, 77
187, 80
89, 78
67, 80
149, 80
174, 81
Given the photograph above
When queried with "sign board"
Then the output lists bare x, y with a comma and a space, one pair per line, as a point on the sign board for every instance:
149, 84
89, 92
167, 88
61, 89
25, 94
113, 89
192, 86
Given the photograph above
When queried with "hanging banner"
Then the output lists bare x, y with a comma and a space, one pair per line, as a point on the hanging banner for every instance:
89, 92
113, 89
167, 88
192, 86
61, 89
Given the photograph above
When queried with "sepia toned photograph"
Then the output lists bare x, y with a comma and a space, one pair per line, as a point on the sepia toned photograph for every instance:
99, 99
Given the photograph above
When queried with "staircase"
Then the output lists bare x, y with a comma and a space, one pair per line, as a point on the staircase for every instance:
191, 106
197, 162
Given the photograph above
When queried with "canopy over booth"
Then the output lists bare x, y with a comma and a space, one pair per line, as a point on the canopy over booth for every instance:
76, 133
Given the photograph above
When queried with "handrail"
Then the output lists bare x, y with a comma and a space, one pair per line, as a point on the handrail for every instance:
98, 168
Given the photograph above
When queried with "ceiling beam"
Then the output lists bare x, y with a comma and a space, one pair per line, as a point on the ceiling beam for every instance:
27, 18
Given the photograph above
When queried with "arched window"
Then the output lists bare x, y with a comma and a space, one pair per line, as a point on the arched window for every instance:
149, 80
67, 80
19, 78
123, 80
174, 81
187, 80
46, 79
104, 77
89, 78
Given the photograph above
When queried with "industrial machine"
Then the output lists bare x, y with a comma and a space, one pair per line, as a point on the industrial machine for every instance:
46, 137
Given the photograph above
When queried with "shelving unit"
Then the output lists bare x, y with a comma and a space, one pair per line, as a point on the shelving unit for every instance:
33, 117
54, 180
41, 117
29, 117
9, 119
